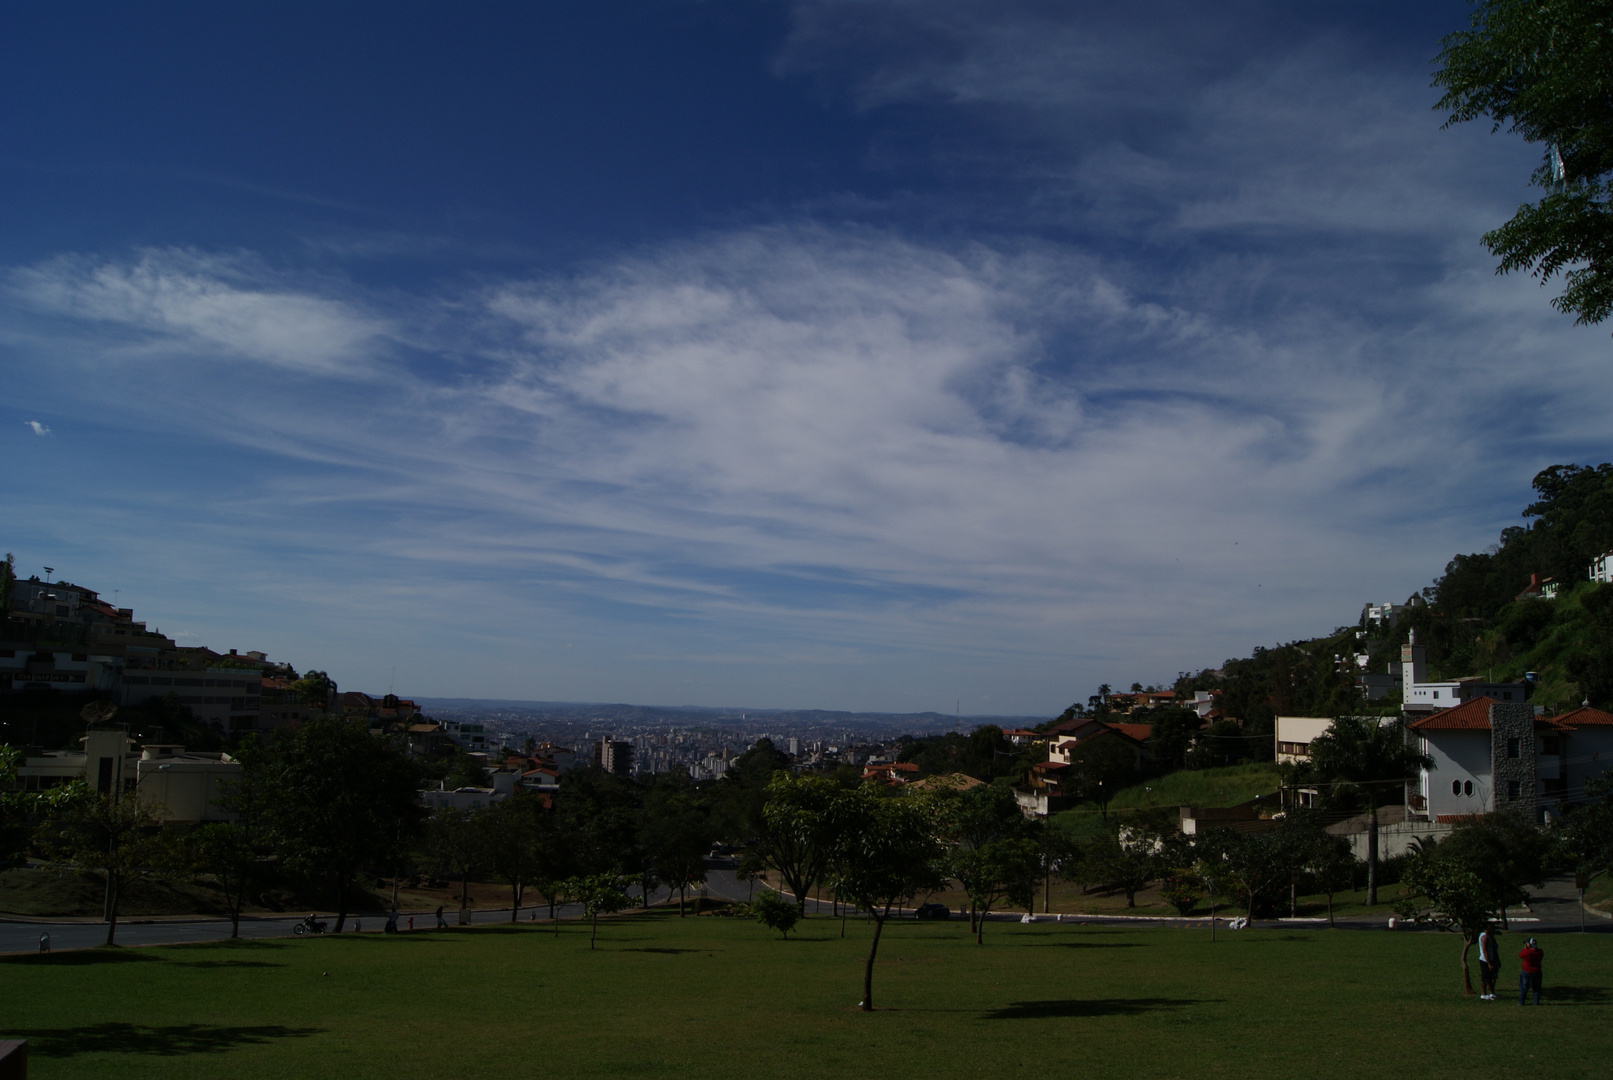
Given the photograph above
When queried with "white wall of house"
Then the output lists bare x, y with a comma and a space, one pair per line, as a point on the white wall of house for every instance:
1294, 732
1461, 758
1431, 697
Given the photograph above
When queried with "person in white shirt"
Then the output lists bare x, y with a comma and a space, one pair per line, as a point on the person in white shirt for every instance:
1489, 963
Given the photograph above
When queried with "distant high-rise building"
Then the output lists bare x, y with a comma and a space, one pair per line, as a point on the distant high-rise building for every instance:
615, 756
795, 746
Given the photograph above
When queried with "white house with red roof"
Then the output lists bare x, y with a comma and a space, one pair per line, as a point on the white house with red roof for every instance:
1492, 755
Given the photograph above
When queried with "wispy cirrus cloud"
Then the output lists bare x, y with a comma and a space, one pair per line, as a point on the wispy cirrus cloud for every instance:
37, 428
217, 306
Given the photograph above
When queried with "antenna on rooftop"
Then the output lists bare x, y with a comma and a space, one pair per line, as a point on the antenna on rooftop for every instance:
49, 570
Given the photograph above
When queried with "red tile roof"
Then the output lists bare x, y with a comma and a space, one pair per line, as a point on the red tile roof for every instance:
1140, 732
1474, 715
1471, 715
1585, 717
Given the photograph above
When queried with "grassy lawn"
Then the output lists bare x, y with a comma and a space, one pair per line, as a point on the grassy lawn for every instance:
721, 997
1229, 785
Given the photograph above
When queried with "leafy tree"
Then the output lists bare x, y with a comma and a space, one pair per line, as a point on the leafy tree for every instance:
1541, 68
886, 855
514, 836
1174, 732
336, 799
226, 852
599, 894
803, 819
599, 818
1584, 839
973, 820
315, 688
997, 870
19, 803
756, 766
1332, 864
1503, 851
1101, 768
775, 912
119, 836
1056, 849
1121, 860
455, 847
1446, 895
678, 832
1182, 890
1370, 759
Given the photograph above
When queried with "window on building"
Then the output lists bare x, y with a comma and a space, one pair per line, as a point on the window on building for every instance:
1456, 787
1467, 788
1514, 789
1436, 695
1512, 748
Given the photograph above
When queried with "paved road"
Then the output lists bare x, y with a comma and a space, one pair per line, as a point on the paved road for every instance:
1553, 909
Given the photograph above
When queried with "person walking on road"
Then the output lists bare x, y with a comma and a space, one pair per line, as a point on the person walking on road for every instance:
442, 923
1529, 977
1489, 963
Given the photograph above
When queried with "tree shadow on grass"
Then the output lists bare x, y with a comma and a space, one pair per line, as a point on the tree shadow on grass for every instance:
1575, 995
1079, 1009
1082, 944
171, 1041
82, 957
663, 951
227, 963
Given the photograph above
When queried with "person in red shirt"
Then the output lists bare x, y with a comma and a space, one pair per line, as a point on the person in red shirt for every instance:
1529, 976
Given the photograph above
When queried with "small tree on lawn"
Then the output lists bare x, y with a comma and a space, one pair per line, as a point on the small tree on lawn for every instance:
512, 835
224, 851
801, 823
120, 837
455, 847
1443, 894
1332, 863
998, 870
600, 894
775, 912
1121, 860
887, 855
1182, 890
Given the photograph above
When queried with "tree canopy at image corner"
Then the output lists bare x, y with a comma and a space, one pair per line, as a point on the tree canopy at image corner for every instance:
1544, 69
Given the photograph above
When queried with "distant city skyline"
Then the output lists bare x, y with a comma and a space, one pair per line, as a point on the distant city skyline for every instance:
871, 357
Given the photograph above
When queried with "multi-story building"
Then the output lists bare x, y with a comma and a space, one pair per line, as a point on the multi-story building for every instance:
615, 756
1490, 755
178, 786
1421, 696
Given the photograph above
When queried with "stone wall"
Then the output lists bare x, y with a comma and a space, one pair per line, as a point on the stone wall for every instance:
1508, 721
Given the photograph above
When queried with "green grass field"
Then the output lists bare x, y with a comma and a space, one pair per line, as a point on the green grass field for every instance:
721, 997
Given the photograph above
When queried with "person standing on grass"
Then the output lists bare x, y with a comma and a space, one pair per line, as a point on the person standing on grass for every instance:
1489, 963
1529, 977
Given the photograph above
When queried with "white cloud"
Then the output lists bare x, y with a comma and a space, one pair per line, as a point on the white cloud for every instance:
206, 305
37, 428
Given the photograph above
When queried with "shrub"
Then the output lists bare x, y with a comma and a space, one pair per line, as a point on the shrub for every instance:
775, 912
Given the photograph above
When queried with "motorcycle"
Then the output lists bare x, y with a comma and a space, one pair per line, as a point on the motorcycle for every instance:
310, 925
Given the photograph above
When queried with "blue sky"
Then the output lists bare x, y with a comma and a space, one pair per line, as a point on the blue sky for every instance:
867, 355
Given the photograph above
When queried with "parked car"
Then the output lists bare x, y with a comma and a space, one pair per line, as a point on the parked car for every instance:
933, 911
